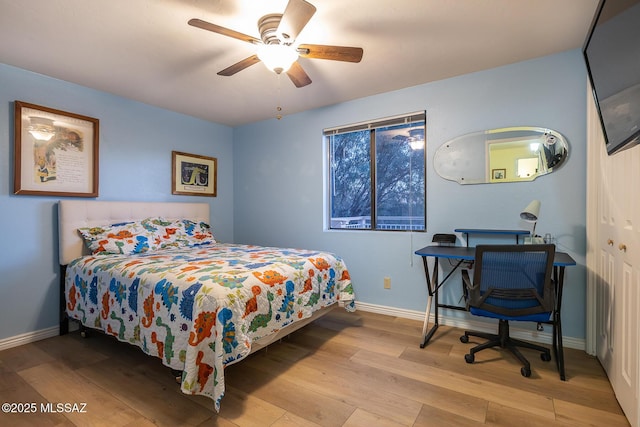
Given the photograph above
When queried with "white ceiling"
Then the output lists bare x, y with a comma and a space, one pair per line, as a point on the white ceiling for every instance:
144, 49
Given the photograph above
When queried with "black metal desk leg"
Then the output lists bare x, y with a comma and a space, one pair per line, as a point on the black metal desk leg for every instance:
432, 287
557, 320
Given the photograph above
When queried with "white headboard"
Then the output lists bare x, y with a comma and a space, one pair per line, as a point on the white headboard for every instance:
73, 214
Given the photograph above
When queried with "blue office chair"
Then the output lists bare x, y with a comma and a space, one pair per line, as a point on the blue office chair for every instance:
510, 282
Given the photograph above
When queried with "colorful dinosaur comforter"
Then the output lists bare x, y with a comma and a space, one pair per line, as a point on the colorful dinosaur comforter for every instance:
199, 309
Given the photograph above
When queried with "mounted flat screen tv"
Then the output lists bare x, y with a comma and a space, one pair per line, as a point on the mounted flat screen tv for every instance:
612, 55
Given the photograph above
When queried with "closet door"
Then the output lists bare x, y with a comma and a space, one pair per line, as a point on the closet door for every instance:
623, 275
627, 302
615, 286
602, 236
604, 240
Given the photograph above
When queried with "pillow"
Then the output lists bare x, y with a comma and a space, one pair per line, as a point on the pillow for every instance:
150, 234
122, 238
183, 233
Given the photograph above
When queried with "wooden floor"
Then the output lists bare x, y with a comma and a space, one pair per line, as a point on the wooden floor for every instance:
346, 369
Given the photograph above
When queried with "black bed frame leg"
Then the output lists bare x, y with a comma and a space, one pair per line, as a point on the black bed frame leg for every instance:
177, 375
64, 319
64, 326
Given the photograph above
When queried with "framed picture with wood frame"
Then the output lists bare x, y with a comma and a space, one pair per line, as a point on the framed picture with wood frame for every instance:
498, 173
56, 152
193, 175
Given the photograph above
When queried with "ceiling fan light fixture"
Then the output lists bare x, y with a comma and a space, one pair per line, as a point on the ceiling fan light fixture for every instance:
277, 57
416, 143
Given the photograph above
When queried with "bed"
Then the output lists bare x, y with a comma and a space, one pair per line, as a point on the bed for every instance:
151, 274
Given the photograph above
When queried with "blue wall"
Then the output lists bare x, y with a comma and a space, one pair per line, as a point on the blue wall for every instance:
271, 175
136, 141
279, 174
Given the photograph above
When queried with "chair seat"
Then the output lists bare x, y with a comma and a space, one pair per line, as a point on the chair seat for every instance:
540, 317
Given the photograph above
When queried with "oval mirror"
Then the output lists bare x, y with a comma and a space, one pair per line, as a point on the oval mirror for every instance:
501, 155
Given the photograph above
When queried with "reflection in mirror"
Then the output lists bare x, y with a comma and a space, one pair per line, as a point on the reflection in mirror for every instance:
501, 155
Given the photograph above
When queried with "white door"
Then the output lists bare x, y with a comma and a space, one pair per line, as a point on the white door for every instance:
613, 185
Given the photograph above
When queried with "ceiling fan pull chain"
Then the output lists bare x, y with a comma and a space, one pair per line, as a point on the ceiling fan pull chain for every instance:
278, 108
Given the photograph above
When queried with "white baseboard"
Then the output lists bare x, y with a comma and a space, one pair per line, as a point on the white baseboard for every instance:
543, 337
29, 337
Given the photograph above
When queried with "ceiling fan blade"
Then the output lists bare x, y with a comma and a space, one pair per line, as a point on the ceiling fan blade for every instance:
295, 17
199, 23
334, 53
298, 76
239, 66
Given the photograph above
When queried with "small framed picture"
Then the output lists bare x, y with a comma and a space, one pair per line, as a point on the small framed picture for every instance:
498, 173
56, 152
193, 175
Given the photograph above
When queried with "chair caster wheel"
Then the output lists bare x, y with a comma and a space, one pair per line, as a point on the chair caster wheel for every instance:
464, 339
526, 372
469, 358
545, 357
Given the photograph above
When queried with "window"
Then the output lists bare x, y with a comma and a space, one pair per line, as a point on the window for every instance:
377, 174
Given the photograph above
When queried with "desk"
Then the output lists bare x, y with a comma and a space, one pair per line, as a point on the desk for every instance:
465, 254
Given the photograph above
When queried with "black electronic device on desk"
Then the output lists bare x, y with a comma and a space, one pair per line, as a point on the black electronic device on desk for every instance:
444, 239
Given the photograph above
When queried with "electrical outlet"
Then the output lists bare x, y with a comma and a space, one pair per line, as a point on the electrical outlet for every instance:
387, 282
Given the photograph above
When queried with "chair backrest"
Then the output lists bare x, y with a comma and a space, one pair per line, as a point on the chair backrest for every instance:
513, 280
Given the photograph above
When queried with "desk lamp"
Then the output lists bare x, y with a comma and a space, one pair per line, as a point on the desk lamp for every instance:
530, 214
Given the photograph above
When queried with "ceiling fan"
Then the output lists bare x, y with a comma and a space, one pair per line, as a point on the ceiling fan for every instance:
277, 48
